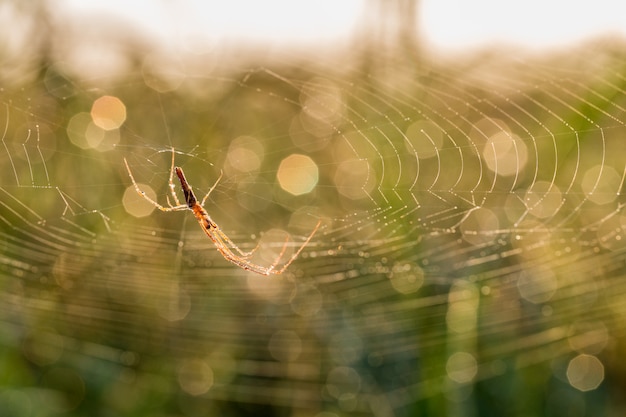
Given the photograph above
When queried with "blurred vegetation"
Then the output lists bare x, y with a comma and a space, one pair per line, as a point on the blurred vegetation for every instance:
412, 299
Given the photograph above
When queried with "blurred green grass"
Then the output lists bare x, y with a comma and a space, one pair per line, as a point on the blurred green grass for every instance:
105, 314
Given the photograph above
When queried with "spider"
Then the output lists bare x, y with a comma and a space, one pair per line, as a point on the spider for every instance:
222, 242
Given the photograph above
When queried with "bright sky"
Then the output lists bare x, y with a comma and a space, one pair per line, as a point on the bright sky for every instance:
247, 20
457, 24
446, 24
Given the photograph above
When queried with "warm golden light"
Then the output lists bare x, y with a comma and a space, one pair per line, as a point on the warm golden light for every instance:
134, 204
298, 174
108, 112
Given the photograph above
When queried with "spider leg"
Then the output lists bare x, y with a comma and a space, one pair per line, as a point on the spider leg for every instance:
295, 255
279, 257
212, 188
230, 243
246, 265
145, 196
243, 263
230, 256
170, 183
222, 243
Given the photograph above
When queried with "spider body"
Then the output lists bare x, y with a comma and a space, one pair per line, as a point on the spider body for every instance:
190, 197
222, 242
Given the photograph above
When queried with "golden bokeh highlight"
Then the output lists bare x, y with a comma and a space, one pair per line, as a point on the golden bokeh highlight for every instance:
479, 226
537, 285
271, 287
85, 134
543, 199
245, 154
195, 376
76, 129
352, 179
505, 154
298, 174
601, 184
308, 133
101, 139
462, 367
585, 372
136, 205
406, 278
43, 346
108, 112
484, 129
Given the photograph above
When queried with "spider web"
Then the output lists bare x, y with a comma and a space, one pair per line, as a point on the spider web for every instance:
472, 238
